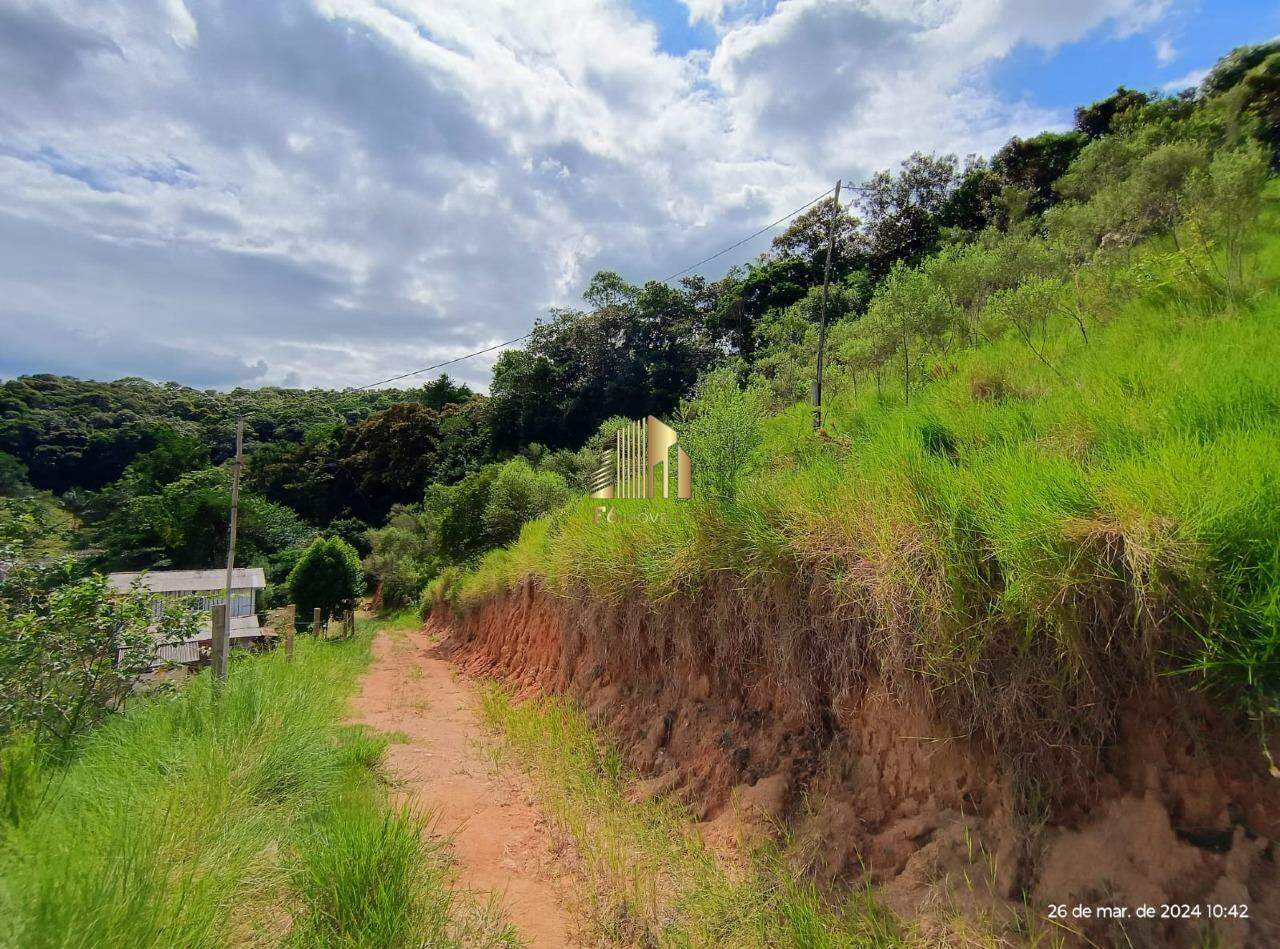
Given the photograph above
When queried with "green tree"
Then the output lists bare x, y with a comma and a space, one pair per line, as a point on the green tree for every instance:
328, 576
71, 650
405, 555
389, 458
1232, 68
184, 525
1098, 119
443, 391
457, 512
175, 453
13, 476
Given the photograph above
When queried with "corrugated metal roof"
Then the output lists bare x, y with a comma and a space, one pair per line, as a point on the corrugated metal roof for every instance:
190, 581
182, 652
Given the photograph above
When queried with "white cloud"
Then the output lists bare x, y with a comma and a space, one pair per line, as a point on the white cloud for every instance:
337, 190
1190, 81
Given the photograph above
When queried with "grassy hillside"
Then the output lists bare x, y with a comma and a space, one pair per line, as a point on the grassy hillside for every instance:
253, 819
1030, 535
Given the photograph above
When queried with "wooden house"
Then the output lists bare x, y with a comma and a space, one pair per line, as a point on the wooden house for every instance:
204, 589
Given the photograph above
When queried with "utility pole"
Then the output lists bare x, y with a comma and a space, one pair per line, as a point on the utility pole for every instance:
222, 631
822, 325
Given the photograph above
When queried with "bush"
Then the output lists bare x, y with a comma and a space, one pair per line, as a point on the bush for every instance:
720, 429
1223, 202
13, 476
404, 557
327, 576
520, 493
71, 649
458, 512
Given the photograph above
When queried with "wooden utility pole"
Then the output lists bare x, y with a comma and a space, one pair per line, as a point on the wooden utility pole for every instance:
822, 325
222, 630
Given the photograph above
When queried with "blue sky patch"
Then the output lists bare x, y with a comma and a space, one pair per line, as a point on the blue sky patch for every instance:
1082, 72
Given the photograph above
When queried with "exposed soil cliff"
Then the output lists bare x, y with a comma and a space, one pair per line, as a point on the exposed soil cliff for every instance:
732, 706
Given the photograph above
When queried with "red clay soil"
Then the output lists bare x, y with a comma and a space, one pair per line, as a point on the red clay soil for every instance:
499, 838
875, 782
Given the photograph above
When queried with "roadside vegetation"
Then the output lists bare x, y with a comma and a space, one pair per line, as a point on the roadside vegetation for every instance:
251, 817
1049, 238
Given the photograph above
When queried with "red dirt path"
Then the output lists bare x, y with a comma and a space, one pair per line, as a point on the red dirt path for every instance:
500, 839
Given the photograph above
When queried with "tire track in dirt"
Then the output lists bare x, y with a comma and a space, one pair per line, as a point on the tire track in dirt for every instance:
500, 839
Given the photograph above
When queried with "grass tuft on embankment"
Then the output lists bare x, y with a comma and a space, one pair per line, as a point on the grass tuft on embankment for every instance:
252, 818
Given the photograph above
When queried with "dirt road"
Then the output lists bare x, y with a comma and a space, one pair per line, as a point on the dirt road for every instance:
499, 837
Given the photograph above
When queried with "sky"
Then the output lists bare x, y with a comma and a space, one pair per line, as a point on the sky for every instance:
331, 192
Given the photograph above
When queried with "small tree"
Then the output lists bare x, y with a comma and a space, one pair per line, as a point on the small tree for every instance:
1222, 202
328, 576
721, 428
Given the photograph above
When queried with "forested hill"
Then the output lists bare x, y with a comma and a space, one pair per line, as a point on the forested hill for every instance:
70, 433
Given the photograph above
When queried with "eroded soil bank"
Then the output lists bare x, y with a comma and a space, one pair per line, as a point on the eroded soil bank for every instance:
1175, 807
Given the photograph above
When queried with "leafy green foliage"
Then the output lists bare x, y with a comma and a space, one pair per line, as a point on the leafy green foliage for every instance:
389, 457
519, 493
328, 576
1099, 119
635, 353
13, 476
184, 525
71, 650
405, 555
75, 653
1232, 68
1072, 438
720, 430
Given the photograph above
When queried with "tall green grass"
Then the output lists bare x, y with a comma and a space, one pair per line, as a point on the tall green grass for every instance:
1135, 486
253, 817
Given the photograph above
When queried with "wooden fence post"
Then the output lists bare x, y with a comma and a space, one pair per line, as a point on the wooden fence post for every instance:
221, 643
290, 623
315, 622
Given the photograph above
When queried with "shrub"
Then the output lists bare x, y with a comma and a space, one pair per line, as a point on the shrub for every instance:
404, 557
71, 649
13, 476
327, 576
520, 493
1223, 201
720, 429
458, 512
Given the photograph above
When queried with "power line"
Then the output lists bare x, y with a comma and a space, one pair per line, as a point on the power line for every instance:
447, 362
767, 227
681, 273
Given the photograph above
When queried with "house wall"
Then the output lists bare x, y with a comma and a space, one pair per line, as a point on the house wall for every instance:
243, 600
